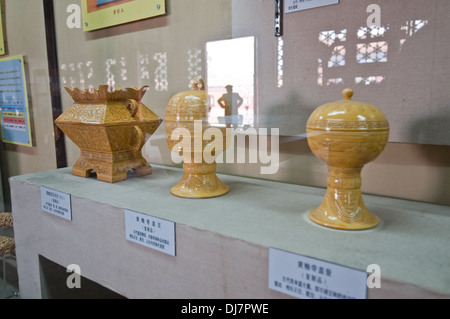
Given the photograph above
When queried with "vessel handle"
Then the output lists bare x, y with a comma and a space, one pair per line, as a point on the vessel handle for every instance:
132, 107
140, 138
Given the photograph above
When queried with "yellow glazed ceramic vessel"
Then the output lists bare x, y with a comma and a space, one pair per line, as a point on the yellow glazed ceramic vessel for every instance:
186, 130
110, 127
346, 135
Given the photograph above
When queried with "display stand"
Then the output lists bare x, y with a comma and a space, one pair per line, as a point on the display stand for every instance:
222, 244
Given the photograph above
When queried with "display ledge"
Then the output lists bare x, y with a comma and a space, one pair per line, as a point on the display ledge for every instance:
410, 244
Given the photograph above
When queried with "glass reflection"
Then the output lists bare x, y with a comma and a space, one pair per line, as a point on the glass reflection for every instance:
161, 81
337, 57
231, 81
413, 26
372, 32
144, 67
372, 47
230, 101
280, 61
194, 64
372, 52
330, 37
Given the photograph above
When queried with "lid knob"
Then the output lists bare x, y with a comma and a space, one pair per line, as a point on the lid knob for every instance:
347, 93
197, 84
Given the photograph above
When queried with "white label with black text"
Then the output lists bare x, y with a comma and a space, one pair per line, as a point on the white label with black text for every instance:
297, 5
309, 278
152, 232
56, 203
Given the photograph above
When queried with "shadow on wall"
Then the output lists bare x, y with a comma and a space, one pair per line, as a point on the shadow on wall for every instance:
433, 128
293, 112
11, 166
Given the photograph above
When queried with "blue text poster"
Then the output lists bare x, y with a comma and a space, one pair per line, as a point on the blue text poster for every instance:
14, 102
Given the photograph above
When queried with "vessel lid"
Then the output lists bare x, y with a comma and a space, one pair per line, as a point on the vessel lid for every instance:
348, 115
107, 106
105, 93
188, 105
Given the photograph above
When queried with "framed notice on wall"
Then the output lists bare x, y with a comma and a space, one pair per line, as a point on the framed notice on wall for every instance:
98, 14
298, 5
2, 36
15, 118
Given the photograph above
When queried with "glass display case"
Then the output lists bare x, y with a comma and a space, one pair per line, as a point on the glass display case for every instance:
265, 67
390, 55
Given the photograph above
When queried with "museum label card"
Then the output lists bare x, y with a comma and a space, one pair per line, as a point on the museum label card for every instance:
308, 278
297, 5
152, 232
56, 203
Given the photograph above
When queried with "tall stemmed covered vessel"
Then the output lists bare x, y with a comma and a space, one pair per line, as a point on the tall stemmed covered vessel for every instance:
346, 135
190, 135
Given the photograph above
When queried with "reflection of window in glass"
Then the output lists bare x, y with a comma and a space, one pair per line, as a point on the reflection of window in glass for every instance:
81, 75
372, 52
111, 64
369, 49
90, 69
332, 38
231, 81
335, 81
372, 32
76, 74
369, 80
280, 61
413, 26
337, 57
329, 37
123, 69
194, 64
161, 81
143, 62
320, 73
63, 68
72, 78
110, 78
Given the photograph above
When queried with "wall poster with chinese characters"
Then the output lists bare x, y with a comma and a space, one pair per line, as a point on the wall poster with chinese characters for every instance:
15, 118
98, 14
